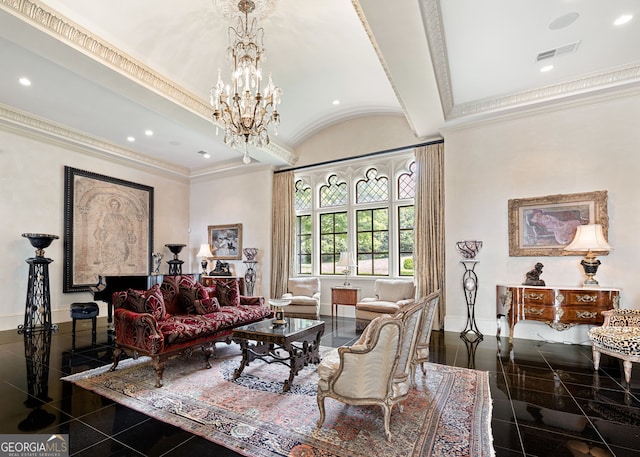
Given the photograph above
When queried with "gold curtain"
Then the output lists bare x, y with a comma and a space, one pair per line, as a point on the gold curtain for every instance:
429, 226
283, 226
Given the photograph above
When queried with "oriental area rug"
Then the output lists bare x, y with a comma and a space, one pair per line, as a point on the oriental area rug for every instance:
448, 413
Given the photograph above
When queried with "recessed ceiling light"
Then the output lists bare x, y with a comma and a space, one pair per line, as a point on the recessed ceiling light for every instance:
563, 21
546, 68
148, 132
131, 139
24, 81
336, 102
204, 154
623, 19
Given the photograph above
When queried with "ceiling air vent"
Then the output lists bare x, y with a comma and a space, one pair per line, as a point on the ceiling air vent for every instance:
559, 51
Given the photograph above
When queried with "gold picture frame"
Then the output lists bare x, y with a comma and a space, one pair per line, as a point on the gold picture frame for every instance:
225, 241
543, 226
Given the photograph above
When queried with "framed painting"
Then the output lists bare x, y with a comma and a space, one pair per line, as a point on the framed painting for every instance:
108, 228
543, 226
225, 241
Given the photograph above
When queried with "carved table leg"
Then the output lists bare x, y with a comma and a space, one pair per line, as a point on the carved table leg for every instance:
116, 358
244, 347
159, 367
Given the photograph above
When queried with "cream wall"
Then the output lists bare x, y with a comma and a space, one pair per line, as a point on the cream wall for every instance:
579, 149
244, 199
32, 189
356, 137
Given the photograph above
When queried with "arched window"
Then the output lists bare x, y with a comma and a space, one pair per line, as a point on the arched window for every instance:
373, 188
362, 206
302, 196
407, 183
333, 193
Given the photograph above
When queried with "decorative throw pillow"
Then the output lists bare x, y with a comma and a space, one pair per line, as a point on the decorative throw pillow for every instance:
207, 305
149, 301
187, 281
136, 299
190, 295
171, 293
228, 292
211, 290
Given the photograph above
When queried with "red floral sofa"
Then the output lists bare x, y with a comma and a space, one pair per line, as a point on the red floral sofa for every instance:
179, 316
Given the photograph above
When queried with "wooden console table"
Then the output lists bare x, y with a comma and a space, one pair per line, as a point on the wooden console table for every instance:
558, 307
347, 296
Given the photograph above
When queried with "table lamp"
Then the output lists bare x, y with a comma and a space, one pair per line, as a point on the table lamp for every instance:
205, 253
589, 238
347, 261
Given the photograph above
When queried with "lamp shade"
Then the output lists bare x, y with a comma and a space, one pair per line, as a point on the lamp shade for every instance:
346, 260
205, 251
588, 238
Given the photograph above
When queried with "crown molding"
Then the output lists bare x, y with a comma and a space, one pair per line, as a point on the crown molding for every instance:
539, 109
35, 127
433, 26
432, 18
385, 67
63, 29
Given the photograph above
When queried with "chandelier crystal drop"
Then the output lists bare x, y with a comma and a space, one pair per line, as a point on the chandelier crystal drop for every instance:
244, 108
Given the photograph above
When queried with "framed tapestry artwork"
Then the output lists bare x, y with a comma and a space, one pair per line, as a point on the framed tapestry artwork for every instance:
108, 228
225, 241
543, 226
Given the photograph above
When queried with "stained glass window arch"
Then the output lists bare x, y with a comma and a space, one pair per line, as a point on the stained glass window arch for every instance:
407, 183
303, 196
333, 193
372, 188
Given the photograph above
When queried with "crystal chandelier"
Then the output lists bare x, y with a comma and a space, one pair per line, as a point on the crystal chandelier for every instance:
244, 108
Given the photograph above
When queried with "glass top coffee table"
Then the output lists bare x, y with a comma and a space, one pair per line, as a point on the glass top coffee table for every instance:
296, 344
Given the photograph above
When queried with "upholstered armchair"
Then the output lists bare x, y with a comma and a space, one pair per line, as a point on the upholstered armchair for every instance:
421, 353
390, 296
304, 294
618, 337
375, 370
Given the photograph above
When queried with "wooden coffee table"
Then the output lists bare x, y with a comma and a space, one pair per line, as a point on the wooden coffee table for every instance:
295, 345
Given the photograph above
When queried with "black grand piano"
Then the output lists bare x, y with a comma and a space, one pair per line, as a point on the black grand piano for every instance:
107, 285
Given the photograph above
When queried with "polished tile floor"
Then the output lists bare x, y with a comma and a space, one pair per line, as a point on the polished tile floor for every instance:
547, 401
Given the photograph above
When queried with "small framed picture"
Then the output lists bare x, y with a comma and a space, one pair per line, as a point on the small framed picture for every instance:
225, 241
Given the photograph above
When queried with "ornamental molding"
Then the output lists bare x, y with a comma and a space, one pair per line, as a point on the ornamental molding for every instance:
569, 103
432, 18
42, 129
66, 31
385, 67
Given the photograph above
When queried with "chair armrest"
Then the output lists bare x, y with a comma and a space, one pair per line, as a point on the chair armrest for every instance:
316, 296
621, 318
138, 330
251, 301
405, 302
287, 295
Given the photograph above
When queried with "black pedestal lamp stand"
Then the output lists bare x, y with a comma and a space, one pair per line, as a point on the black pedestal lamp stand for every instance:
37, 314
175, 264
469, 250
